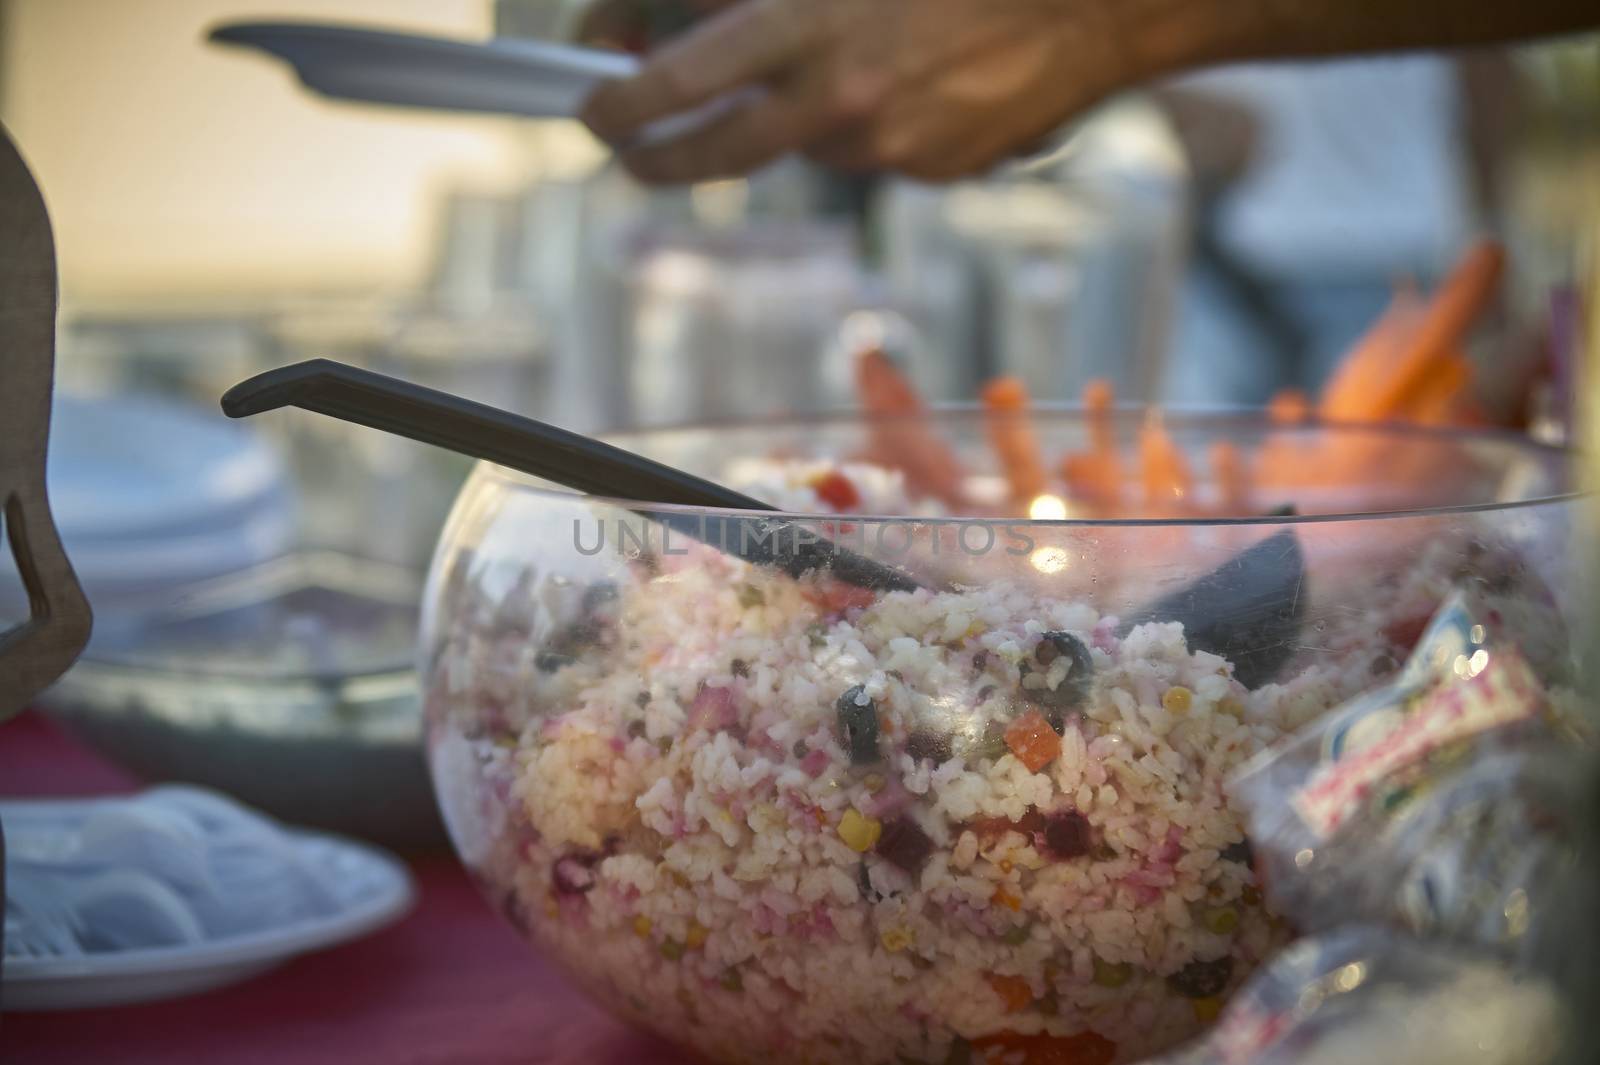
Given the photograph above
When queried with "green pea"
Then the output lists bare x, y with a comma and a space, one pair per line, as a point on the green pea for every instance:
1109, 975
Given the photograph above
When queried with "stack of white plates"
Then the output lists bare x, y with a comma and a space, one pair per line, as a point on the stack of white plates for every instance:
151, 495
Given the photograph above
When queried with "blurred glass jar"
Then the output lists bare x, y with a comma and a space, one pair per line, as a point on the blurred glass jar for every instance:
705, 302
379, 496
1058, 270
738, 322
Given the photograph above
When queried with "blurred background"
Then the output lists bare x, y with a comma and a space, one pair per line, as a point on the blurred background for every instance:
1213, 241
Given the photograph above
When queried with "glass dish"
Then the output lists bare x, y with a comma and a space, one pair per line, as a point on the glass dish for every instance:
787, 819
289, 686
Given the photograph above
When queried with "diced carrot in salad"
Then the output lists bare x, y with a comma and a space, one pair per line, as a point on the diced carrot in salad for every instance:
1014, 991
837, 490
1033, 741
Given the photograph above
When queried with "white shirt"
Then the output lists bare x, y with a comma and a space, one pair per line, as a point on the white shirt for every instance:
1358, 168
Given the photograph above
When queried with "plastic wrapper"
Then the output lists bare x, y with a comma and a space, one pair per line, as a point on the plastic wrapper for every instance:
1440, 802
1426, 837
1362, 996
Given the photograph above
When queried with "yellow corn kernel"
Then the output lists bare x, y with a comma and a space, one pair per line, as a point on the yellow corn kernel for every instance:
641, 926
896, 939
695, 937
1231, 706
1222, 919
1002, 897
1206, 1009
858, 831
976, 629
1177, 700
551, 909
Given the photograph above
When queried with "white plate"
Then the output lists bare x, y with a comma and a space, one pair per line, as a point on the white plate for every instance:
374, 890
131, 575
151, 494
536, 79
503, 75
135, 466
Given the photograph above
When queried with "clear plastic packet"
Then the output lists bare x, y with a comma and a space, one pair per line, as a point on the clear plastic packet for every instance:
1441, 802
1362, 995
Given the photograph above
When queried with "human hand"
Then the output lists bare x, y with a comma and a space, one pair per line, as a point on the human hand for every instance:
936, 89
942, 88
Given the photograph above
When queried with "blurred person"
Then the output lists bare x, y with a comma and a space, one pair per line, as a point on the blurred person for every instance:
1317, 189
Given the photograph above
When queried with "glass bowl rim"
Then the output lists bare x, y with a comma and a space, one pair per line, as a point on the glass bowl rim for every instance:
1255, 417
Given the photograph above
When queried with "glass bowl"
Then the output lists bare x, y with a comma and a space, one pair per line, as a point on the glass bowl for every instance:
290, 685
786, 818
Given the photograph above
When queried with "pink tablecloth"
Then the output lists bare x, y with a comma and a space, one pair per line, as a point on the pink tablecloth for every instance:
450, 983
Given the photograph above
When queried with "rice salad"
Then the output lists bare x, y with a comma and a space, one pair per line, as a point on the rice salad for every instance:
788, 820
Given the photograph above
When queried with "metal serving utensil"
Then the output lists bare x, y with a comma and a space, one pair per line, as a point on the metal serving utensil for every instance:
1249, 610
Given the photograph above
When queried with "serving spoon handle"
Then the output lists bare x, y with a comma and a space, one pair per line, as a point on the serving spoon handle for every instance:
571, 459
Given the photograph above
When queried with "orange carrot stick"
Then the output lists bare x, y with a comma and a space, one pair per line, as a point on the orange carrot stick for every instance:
1351, 391
1095, 476
1093, 479
1233, 479
1390, 373
1444, 323
1406, 367
1445, 395
1098, 402
1166, 477
1005, 404
1289, 406
1443, 402
885, 391
901, 437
